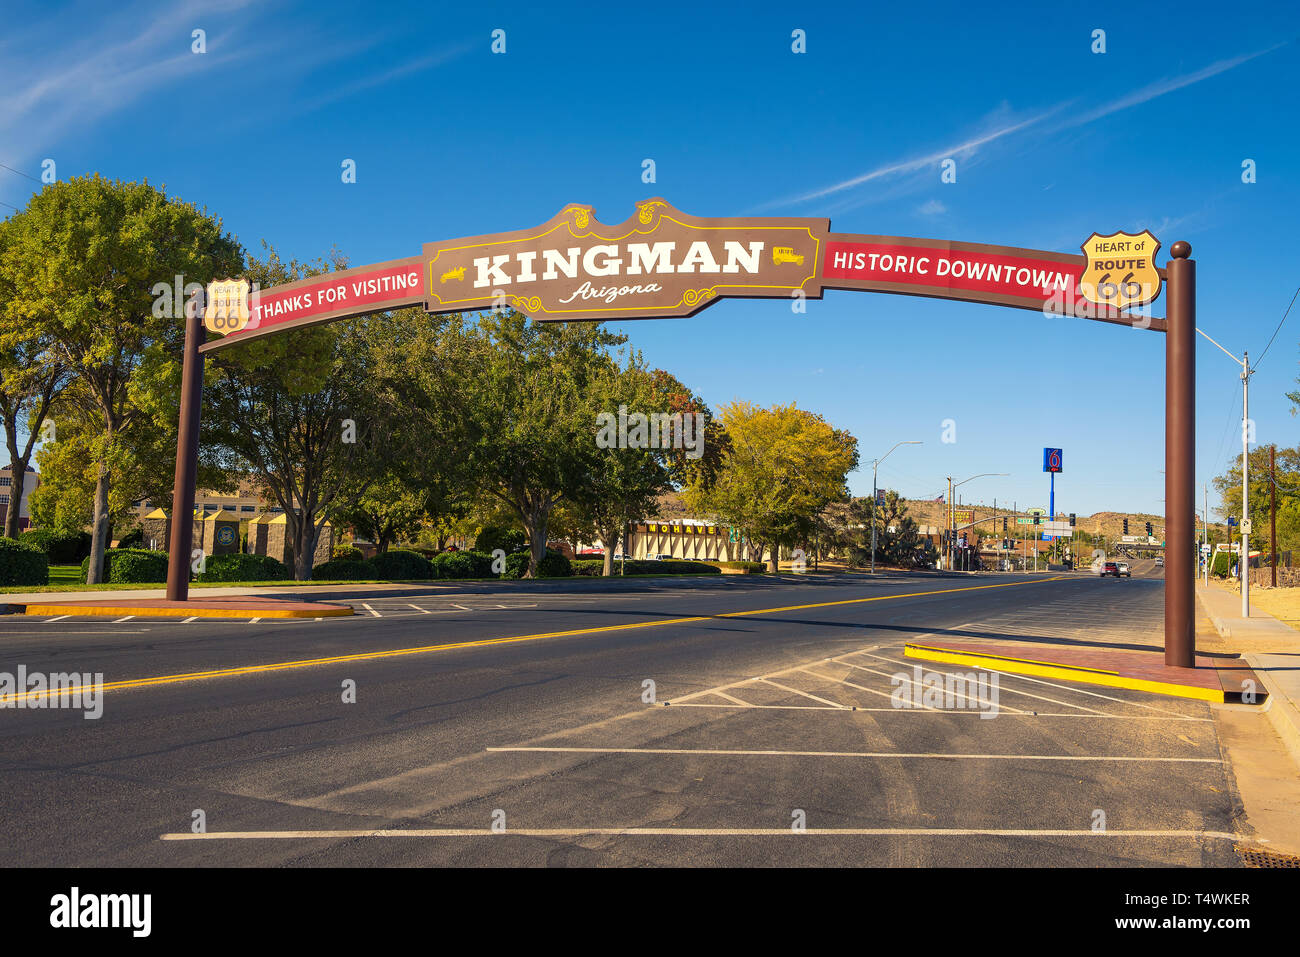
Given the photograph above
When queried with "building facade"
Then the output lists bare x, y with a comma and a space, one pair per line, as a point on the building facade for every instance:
9, 492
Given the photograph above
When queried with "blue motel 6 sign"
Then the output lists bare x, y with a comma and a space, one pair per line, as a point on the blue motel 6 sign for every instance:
1051, 460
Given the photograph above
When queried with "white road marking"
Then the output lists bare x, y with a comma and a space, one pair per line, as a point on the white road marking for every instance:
190, 619
710, 832
1052, 684
882, 694
461, 607
1010, 690
738, 752
125, 618
777, 684
418, 608
254, 621
60, 618
744, 704
369, 609
921, 711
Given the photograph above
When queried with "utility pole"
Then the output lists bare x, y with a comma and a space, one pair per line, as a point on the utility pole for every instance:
1272, 510
1205, 535
875, 495
1243, 557
1243, 562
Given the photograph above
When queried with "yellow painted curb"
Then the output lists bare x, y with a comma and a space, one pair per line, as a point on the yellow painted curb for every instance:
101, 611
1092, 676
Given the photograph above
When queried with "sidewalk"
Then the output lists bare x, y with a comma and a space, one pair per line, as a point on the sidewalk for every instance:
1271, 648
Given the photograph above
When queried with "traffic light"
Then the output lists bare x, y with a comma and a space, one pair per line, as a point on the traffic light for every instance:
1035, 518
1148, 529
1126, 526
1072, 521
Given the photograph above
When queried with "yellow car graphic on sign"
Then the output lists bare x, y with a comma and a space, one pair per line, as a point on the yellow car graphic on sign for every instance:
457, 273
785, 254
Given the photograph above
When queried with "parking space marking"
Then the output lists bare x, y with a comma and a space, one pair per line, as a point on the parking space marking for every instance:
49, 621
427, 832
1052, 684
870, 755
1001, 687
777, 684
571, 832
371, 610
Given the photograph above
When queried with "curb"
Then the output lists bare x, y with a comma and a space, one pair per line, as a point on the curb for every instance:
1281, 711
137, 611
1064, 672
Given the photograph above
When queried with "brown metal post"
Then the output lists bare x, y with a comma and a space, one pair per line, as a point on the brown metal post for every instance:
1272, 509
187, 456
1180, 454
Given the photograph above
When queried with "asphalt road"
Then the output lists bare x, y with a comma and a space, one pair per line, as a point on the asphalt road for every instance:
771, 709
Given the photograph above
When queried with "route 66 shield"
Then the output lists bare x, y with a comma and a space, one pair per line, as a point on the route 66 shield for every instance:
1121, 269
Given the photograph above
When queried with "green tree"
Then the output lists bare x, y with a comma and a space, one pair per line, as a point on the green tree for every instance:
83, 261
509, 399
31, 378
781, 466
300, 410
623, 484
1228, 485
387, 510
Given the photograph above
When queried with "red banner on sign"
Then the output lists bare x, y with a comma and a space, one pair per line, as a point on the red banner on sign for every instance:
945, 270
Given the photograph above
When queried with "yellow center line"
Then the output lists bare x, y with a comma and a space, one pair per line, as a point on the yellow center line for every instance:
484, 642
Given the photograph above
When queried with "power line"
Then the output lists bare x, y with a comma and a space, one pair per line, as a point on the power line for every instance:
1278, 329
20, 173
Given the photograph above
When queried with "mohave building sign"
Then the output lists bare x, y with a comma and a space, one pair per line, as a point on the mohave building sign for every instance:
662, 262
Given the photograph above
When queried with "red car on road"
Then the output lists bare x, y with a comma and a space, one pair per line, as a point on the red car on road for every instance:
1110, 568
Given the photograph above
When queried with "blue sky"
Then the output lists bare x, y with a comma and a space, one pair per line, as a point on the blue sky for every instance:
1052, 142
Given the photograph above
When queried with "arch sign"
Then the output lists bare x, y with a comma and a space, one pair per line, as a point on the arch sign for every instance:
661, 262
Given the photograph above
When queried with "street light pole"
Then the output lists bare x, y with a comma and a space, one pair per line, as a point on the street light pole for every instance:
875, 464
1243, 557
951, 530
1244, 561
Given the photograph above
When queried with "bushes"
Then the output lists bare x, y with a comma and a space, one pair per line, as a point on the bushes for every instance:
132, 539
397, 564
60, 548
347, 553
1223, 562
553, 565
343, 570
590, 567
130, 565
244, 568
462, 565
749, 568
22, 563
509, 540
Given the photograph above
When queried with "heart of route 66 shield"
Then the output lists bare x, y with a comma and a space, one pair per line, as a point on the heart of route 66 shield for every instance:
1121, 269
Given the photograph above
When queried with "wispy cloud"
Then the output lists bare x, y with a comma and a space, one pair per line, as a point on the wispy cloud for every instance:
388, 76
963, 149
1161, 87
970, 146
932, 208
